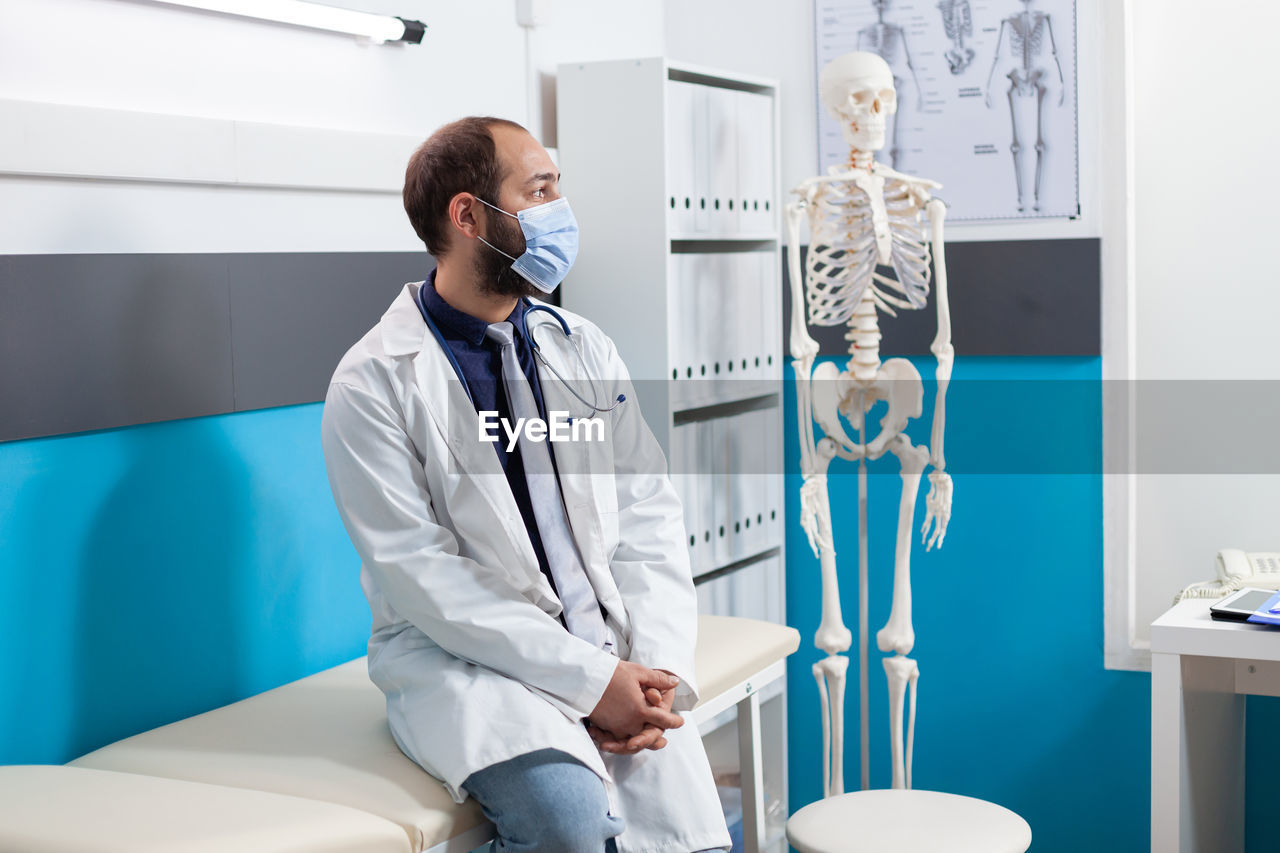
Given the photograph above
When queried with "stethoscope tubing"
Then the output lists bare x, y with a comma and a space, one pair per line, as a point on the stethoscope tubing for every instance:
537, 351
573, 344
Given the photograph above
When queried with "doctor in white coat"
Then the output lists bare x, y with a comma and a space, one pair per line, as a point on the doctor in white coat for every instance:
481, 676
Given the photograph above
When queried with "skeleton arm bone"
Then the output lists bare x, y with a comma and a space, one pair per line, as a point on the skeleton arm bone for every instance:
995, 62
1053, 48
803, 347
941, 347
938, 502
803, 351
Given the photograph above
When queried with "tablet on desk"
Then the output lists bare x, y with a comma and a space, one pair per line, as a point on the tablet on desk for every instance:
1239, 606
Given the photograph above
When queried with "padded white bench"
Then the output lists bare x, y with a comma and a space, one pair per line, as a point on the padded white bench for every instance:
53, 809
322, 743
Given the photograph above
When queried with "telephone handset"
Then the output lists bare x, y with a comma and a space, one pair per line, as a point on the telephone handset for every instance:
1236, 570
1260, 570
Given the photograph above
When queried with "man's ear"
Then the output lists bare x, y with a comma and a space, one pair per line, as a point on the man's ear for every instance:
463, 214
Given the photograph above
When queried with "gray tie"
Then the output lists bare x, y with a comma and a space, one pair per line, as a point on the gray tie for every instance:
581, 609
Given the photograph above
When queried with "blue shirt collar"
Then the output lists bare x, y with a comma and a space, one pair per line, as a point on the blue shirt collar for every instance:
461, 324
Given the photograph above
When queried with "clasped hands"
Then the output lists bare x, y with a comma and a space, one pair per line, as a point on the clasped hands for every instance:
635, 710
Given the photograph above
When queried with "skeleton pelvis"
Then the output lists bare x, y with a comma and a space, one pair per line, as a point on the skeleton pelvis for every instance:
1026, 83
897, 382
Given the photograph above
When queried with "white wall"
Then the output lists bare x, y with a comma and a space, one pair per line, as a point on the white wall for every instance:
1206, 294
141, 56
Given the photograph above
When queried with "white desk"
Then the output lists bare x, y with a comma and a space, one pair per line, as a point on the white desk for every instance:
1200, 672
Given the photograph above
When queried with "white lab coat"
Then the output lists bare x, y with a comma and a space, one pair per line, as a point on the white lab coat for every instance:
466, 643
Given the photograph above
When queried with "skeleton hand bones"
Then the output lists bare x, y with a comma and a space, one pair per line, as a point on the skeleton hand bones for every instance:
937, 508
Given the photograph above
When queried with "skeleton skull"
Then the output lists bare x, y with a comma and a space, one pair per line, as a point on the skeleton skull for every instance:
857, 90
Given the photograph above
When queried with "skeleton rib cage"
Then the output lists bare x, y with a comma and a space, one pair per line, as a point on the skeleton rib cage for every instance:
843, 251
1026, 37
883, 39
957, 19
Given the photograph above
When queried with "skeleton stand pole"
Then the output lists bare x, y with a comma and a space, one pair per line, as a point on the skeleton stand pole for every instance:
864, 729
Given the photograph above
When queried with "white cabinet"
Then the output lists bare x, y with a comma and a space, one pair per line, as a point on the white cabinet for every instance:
672, 172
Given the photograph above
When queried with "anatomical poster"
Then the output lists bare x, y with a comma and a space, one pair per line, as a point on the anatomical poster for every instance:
986, 98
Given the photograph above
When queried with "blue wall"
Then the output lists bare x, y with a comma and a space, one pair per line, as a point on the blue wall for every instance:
157, 571
1014, 703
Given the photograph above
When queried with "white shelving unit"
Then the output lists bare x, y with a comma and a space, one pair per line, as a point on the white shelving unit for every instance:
672, 171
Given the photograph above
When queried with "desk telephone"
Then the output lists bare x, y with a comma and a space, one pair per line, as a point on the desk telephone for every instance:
1237, 569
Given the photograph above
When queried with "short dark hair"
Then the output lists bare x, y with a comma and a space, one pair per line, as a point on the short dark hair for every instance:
459, 157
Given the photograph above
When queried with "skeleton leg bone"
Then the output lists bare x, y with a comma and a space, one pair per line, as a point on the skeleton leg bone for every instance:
830, 673
897, 635
911, 723
900, 671
824, 705
832, 636
1040, 146
1016, 147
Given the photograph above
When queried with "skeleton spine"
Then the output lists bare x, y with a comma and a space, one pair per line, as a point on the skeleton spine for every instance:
864, 338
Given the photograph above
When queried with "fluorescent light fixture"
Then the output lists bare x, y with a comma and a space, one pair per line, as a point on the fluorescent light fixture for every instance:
379, 28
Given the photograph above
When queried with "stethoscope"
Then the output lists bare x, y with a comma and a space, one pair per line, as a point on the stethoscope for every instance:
537, 351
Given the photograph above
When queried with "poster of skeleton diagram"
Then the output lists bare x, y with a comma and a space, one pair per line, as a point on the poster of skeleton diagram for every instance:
986, 98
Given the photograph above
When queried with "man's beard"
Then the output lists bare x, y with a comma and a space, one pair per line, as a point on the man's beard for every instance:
493, 270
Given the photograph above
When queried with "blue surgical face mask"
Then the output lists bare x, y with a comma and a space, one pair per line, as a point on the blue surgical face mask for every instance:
550, 242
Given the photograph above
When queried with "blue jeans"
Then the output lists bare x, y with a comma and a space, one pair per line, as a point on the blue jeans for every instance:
545, 802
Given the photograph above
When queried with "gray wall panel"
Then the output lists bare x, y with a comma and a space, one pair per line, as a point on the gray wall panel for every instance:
293, 316
1015, 297
99, 341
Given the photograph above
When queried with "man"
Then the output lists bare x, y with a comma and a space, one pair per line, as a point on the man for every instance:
533, 612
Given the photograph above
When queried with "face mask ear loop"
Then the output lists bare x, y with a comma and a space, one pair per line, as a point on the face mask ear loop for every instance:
495, 248
486, 242
495, 207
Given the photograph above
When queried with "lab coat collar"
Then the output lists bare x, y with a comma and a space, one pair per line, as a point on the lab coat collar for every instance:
403, 331
459, 324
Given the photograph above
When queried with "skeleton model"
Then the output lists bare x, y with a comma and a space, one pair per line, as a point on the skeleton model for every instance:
889, 41
860, 217
1027, 33
957, 21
